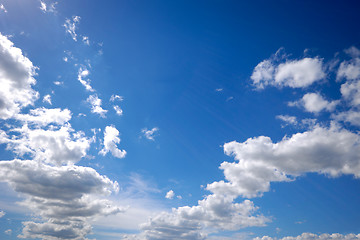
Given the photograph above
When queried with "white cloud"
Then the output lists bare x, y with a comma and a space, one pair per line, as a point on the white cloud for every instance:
170, 194
70, 26
118, 110
312, 236
54, 146
96, 105
58, 83
8, 232
111, 140
65, 197
332, 151
299, 73
314, 102
47, 8
3, 8
353, 52
2, 213
83, 73
349, 69
44, 116
219, 89
115, 97
150, 134
291, 73
47, 99
214, 213
16, 78
351, 116
350, 91
288, 119
86, 40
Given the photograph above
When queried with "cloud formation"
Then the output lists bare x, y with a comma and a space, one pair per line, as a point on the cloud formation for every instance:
281, 72
314, 103
312, 236
333, 151
150, 134
111, 140
16, 79
95, 103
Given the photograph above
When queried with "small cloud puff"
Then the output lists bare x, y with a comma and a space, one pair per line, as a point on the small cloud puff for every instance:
150, 134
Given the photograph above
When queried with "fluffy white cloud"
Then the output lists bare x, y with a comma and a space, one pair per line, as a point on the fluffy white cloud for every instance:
16, 78
111, 140
150, 134
44, 116
54, 146
118, 110
2, 213
95, 102
8, 232
314, 102
312, 236
65, 197
170, 194
58, 83
351, 116
350, 91
349, 69
291, 73
332, 151
288, 119
70, 26
83, 73
215, 212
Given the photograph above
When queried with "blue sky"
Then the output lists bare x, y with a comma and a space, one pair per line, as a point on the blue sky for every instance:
216, 120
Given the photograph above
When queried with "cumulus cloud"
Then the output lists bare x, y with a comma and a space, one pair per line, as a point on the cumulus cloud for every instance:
314, 103
65, 197
16, 78
349, 69
83, 73
95, 102
170, 194
216, 212
44, 116
289, 73
350, 91
150, 134
351, 116
2, 213
8, 232
111, 140
312, 236
71, 25
332, 151
53, 146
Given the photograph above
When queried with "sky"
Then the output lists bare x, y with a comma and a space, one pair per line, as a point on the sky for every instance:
183, 120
